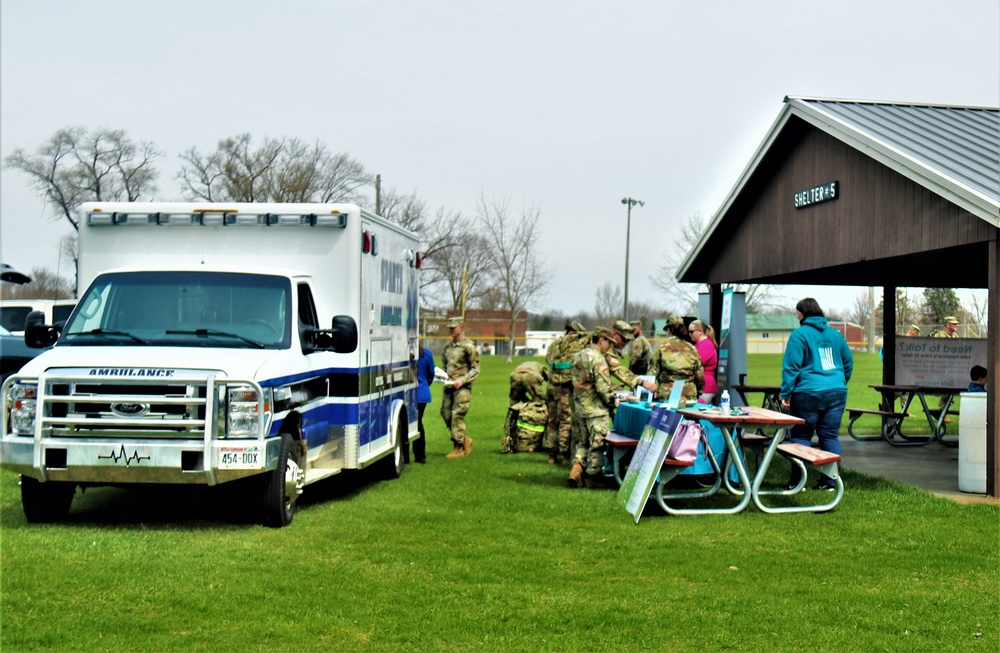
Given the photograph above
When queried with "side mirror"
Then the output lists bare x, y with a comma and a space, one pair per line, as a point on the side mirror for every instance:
344, 334
37, 334
314, 339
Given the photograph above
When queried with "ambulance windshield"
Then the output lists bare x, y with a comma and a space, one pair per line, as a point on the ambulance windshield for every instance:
183, 309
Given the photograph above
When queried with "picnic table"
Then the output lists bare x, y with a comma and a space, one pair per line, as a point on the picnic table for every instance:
771, 400
893, 420
626, 430
752, 417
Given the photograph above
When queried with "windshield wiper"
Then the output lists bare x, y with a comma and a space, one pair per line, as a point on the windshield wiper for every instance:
109, 332
214, 332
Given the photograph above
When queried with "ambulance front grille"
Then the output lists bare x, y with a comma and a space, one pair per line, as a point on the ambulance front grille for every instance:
113, 408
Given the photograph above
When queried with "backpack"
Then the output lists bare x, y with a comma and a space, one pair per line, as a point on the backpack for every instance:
684, 444
524, 427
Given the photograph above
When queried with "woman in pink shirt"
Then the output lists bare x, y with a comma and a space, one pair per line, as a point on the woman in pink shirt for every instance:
703, 337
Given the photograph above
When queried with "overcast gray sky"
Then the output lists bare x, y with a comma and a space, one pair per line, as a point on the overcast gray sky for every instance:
569, 105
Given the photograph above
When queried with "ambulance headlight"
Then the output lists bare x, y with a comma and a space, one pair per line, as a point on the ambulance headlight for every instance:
244, 412
22, 401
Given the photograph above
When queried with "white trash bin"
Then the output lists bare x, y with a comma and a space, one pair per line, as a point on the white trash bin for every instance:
972, 443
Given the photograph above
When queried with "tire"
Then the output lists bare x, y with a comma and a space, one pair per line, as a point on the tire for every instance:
282, 487
392, 465
48, 502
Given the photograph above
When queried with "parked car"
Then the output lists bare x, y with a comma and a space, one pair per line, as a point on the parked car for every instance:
13, 312
14, 353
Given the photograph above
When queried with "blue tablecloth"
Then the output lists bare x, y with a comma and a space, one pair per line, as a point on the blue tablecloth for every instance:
631, 419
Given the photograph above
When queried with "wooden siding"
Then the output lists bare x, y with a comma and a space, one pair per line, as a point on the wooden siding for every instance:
883, 229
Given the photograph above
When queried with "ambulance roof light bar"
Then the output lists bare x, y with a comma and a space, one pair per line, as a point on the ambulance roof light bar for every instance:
219, 218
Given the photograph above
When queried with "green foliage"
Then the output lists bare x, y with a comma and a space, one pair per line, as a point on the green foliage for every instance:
494, 553
940, 303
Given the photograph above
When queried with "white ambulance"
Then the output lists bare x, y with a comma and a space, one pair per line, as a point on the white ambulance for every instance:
219, 342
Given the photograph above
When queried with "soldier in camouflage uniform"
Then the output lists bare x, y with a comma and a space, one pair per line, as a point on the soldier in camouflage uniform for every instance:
950, 331
621, 334
461, 362
950, 328
559, 399
677, 360
527, 382
593, 400
640, 352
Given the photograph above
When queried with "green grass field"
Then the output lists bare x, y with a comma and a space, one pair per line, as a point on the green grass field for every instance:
494, 553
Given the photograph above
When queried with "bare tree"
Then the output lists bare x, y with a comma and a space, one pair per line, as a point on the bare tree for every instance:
857, 312
759, 297
978, 315
608, 303
517, 267
75, 166
408, 211
44, 284
647, 313
451, 249
907, 310
280, 170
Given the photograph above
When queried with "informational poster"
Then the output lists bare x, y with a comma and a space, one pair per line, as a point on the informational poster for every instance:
938, 362
722, 371
732, 340
647, 460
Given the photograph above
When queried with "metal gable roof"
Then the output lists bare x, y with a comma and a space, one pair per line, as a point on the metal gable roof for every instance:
769, 322
951, 150
944, 148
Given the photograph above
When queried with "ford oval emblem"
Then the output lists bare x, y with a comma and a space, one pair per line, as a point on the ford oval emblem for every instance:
123, 409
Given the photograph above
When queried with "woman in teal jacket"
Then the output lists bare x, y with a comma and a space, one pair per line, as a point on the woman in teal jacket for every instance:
815, 370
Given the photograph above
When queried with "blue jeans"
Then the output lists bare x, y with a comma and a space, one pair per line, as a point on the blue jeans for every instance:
822, 413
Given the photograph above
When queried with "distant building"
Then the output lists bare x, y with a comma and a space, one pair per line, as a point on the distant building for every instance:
853, 333
490, 330
536, 343
767, 334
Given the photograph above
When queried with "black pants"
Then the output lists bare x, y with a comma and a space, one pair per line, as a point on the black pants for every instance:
420, 446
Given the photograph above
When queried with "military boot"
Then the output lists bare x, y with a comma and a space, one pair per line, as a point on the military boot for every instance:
552, 458
576, 476
457, 452
567, 459
467, 447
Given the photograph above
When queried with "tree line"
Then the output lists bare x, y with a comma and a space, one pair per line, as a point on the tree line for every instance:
486, 259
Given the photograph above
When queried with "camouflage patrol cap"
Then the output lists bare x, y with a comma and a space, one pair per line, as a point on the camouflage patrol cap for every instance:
624, 328
604, 332
635, 324
675, 321
576, 326
455, 322
914, 327
951, 319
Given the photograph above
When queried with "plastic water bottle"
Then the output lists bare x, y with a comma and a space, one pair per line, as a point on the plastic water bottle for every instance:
725, 402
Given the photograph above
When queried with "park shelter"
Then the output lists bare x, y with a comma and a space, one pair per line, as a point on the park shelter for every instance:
859, 193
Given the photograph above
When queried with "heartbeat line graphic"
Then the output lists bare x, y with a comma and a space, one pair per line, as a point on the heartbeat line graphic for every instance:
120, 455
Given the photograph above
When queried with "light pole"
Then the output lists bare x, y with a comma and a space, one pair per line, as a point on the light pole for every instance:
629, 202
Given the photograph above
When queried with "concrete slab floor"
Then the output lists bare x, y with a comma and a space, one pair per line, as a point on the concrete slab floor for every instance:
933, 467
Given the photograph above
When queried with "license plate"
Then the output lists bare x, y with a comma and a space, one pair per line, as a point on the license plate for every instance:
248, 457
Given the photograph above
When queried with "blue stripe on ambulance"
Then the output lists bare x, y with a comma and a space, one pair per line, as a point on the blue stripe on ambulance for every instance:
321, 413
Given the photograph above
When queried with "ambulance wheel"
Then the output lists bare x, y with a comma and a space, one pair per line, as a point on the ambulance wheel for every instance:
46, 502
392, 465
282, 487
